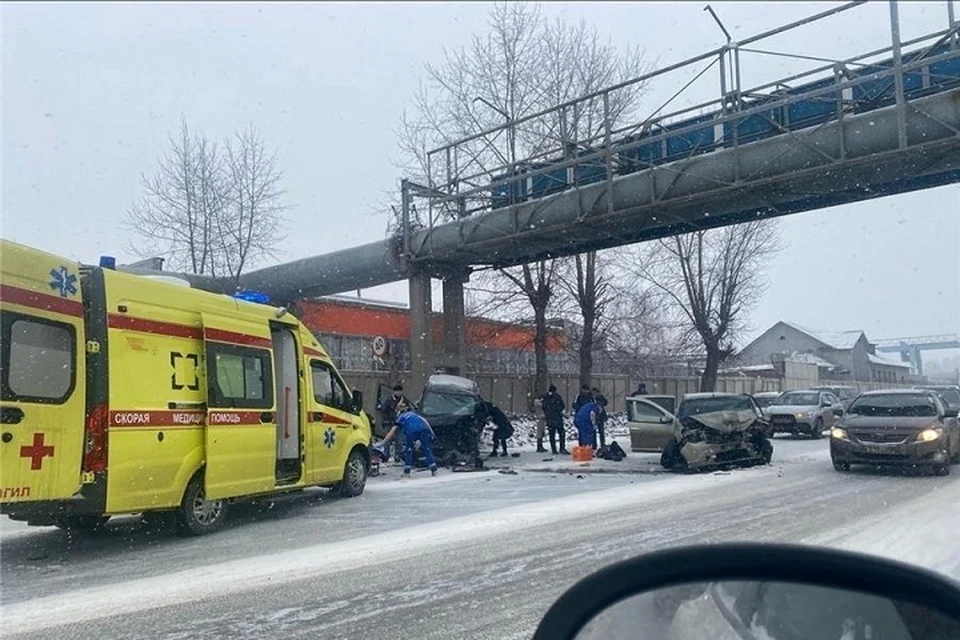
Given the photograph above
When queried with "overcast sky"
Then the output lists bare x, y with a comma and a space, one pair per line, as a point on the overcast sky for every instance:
91, 92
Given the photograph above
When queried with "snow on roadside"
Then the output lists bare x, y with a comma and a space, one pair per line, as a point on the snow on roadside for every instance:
922, 532
525, 432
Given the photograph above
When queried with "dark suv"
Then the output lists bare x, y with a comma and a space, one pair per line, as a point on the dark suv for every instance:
453, 407
912, 427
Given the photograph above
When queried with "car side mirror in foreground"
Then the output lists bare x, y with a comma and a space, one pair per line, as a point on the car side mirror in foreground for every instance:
950, 413
745, 590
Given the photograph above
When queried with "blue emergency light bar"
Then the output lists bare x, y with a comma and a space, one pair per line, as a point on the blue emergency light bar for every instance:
252, 296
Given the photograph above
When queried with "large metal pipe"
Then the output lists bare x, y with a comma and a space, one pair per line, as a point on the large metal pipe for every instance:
776, 175
368, 265
789, 173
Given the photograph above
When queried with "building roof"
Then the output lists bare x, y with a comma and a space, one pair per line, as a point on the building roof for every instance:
887, 362
840, 340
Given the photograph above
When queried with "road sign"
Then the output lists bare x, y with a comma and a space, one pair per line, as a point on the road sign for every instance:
379, 346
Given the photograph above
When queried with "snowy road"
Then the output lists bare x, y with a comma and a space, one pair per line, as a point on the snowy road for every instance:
461, 555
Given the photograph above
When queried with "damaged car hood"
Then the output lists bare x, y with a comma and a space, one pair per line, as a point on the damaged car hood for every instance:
723, 421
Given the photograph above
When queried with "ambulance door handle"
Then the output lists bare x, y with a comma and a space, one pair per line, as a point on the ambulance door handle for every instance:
11, 415
266, 416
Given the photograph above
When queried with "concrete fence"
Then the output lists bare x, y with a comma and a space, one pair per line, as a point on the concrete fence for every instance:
514, 393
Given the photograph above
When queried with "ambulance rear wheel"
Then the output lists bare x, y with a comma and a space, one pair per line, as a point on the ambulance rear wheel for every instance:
197, 515
81, 523
354, 476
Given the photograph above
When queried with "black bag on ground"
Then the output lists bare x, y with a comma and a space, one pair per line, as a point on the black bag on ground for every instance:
615, 452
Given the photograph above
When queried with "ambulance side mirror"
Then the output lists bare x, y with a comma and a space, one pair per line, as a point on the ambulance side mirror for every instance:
357, 400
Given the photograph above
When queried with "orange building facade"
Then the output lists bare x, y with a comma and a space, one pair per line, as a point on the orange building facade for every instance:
348, 327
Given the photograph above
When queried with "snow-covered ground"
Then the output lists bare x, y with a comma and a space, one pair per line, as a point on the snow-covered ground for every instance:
478, 555
525, 433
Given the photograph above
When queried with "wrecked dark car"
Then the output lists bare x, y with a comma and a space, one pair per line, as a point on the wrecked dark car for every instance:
453, 407
717, 430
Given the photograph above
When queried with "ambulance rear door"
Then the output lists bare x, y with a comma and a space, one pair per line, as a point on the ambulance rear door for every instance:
42, 379
241, 427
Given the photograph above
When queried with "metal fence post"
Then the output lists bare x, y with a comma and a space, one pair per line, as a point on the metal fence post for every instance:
898, 75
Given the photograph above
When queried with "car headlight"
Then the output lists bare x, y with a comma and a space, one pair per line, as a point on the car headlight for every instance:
803, 414
929, 435
838, 433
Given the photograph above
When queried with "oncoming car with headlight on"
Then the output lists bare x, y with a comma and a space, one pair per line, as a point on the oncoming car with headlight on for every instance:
907, 427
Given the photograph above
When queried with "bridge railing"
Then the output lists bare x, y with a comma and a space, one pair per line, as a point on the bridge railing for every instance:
943, 341
546, 153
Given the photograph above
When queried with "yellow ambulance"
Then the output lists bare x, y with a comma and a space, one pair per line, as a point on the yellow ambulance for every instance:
127, 394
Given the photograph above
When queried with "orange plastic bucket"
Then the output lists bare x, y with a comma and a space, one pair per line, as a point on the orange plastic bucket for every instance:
582, 454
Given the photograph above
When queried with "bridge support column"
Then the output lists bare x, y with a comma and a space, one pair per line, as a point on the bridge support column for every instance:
421, 339
453, 323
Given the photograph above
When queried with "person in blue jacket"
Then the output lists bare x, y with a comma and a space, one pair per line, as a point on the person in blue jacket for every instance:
585, 421
414, 428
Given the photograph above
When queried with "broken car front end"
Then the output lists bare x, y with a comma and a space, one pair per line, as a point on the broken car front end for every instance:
735, 438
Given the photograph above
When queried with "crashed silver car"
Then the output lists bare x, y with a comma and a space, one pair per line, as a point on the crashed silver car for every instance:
717, 430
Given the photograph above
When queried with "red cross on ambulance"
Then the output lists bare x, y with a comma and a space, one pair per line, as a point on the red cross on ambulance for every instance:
36, 452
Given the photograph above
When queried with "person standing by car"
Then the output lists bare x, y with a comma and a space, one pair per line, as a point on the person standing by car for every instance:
503, 428
601, 400
582, 398
541, 424
586, 423
553, 409
388, 416
414, 428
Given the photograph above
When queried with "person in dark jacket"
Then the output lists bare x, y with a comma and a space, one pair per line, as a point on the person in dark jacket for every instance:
388, 417
582, 398
601, 400
503, 428
641, 390
415, 428
553, 408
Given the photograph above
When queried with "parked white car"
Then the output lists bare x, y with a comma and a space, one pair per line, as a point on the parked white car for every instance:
807, 411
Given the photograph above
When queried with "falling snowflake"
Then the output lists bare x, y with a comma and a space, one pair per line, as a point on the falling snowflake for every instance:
329, 438
63, 282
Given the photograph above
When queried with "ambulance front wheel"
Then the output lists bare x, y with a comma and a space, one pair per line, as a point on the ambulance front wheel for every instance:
354, 476
197, 515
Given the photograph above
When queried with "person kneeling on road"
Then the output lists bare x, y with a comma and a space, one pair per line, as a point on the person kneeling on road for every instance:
414, 429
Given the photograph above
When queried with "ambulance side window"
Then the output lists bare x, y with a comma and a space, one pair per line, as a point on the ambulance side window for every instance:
38, 359
327, 388
240, 377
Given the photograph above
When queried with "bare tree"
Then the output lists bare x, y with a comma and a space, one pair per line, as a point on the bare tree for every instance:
181, 203
712, 278
522, 65
590, 287
211, 213
250, 226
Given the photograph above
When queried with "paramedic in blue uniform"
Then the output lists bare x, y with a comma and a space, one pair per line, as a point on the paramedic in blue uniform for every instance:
414, 429
585, 421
